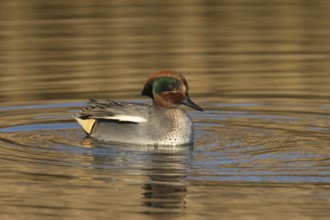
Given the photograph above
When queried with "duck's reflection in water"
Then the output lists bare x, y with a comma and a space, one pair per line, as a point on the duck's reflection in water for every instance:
164, 170
168, 186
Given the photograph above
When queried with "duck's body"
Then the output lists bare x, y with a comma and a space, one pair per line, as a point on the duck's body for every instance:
161, 123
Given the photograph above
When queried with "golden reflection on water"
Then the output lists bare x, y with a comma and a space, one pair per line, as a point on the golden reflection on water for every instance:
75, 50
260, 69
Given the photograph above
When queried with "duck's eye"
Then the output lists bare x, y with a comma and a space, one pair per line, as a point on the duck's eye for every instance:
165, 84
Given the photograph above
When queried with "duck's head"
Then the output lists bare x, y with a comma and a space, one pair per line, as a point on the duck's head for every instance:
168, 89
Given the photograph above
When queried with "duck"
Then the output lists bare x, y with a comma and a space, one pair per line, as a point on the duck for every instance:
162, 122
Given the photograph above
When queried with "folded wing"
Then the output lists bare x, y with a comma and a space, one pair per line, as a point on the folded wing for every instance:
112, 111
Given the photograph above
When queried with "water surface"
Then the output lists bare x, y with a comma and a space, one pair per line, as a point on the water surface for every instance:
260, 70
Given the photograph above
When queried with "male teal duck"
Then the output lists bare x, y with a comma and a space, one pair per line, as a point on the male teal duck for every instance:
161, 123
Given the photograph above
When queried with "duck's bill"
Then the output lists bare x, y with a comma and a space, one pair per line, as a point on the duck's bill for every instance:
191, 104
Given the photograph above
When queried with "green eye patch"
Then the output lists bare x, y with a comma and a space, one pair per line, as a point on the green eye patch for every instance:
165, 84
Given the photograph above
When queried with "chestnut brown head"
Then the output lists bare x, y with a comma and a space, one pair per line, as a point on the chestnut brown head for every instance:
169, 89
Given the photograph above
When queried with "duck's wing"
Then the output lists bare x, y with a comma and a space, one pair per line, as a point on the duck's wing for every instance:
116, 112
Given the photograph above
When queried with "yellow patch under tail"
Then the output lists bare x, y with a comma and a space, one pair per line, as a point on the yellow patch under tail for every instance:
86, 124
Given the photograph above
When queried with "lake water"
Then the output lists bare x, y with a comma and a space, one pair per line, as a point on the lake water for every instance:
260, 69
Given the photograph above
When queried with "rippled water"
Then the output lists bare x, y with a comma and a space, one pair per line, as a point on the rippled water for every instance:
260, 70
